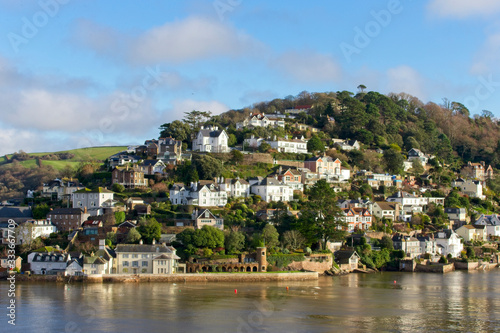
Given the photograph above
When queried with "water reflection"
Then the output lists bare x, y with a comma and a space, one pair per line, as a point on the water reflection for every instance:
398, 302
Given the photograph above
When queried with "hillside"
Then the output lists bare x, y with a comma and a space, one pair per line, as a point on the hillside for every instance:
20, 172
98, 154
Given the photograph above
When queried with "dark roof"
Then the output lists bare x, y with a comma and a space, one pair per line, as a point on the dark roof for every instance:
211, 133
150, 162
13, 212
74, 211
52, 257
152, 248
165, 256
343, 256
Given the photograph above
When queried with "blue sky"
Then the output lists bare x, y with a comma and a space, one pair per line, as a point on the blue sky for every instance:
78, 73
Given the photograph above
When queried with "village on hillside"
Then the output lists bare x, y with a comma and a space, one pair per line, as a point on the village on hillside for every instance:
340, 185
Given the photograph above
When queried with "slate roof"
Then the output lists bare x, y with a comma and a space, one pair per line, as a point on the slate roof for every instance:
168, 256
67, 211
15, 212
386, 205
488, 220
343, 256
148, 248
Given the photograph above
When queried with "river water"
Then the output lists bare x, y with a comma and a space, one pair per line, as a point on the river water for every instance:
383, 302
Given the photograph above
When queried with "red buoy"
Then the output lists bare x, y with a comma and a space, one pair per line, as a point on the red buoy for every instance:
235, 291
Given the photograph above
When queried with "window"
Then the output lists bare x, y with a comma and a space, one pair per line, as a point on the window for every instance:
144, 264
135, 264
135, 256
144, 256
125, 264
125, 256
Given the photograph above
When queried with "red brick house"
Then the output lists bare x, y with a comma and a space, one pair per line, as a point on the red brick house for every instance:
130, 177
66, 219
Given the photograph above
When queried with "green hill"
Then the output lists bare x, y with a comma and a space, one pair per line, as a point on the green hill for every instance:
99, 154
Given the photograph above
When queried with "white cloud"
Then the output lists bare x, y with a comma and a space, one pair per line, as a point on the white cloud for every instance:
487, 58
406, 79
193, 38
461, 9
308, 66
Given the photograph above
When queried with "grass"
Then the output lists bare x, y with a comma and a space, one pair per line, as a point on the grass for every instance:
83, 154
59, 165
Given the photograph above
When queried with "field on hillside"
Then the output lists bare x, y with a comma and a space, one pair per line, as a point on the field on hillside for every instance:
84, 154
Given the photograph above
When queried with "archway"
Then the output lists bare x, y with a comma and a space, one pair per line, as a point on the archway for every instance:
254, 269
249, 269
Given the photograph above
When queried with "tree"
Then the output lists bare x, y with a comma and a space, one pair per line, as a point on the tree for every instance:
231, 141
321, 219
270, 236
119, 217
416, 167
177, 130
315, 144
234, 241
386, 243
207, 166
40, 211
264, 147
119, 188
209, 237
362, 87
149, 229
133, 236
293, 239
393, 161
237, 156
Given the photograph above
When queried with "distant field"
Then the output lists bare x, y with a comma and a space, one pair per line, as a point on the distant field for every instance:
83, 154
59, 165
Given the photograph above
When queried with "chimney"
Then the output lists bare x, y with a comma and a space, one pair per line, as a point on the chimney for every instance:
85, 210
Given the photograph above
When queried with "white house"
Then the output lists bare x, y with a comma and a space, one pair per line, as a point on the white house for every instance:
449, 242
260, 120
410, 245
235, 187
48, 263
348, 145
417, 154
469, 233
409, 204
473, 188
428, 244
32, 229
60, 188
203, 194
285, 145
491, 223
91, 199
205, 217
211, 139
146, 259
271, 189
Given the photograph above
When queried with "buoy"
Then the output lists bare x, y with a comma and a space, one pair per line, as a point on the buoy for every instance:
394, 281
235, 291
286, 288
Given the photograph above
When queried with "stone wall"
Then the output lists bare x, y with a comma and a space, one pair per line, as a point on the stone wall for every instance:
468, 266
313, 263
435, 268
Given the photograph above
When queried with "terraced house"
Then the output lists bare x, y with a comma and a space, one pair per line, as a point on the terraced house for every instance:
145, 259
203, 193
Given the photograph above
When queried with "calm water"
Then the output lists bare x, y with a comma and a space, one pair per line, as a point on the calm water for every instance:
458, 301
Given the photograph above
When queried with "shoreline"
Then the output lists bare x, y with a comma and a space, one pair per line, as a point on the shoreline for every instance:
173, 278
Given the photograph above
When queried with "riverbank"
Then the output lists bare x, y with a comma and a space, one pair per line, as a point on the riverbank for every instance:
173, 278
